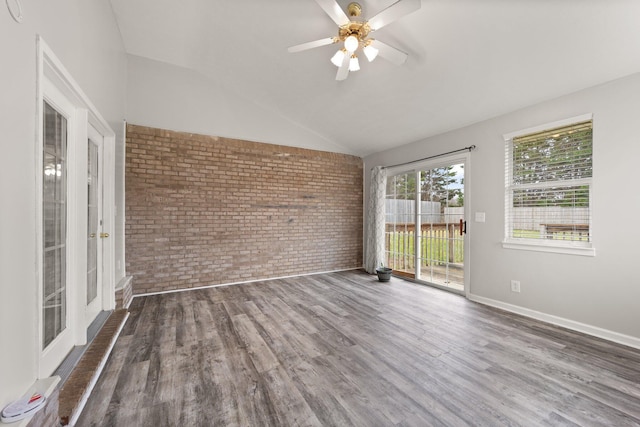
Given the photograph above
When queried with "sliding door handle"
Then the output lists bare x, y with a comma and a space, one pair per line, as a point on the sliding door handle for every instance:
463, 227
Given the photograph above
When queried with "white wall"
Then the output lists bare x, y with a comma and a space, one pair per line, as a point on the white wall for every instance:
84, 36
169, 97
598, 294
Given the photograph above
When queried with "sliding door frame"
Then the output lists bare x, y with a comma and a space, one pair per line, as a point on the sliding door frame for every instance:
448, 160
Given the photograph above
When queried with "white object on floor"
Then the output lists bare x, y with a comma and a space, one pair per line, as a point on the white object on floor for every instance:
23, 408
44, 387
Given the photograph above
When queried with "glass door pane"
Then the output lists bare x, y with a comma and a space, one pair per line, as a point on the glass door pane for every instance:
400, 209
95, 235
92, 222
441, 225
54, 225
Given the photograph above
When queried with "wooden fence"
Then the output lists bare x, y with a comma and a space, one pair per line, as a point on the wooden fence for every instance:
530, 218
402, 211
439, 243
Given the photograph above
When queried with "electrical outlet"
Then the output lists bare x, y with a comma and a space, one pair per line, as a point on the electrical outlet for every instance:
515, 286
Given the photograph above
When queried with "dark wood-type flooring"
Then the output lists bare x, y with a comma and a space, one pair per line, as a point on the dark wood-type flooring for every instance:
346, 350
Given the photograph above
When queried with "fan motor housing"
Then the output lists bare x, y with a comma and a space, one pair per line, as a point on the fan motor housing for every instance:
358, 29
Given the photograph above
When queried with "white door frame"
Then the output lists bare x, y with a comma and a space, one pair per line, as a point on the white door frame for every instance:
52, 77
94, 307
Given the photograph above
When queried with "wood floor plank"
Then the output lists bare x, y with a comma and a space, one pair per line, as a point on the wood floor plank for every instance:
243, 382
343, 349
406, 385
98, 407
130, 391
318, 390
259, 352
361, 411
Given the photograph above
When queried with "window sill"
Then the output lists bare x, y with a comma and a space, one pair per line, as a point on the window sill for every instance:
547, 247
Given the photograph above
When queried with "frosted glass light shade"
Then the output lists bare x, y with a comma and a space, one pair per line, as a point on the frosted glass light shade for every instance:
370, 52
354, 65
351, 43
338, 58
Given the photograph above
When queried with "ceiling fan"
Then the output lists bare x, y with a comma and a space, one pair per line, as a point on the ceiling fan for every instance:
354, 33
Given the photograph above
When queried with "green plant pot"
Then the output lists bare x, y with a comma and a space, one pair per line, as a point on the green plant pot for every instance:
384, 274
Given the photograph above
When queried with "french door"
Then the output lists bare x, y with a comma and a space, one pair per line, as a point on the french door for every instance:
425, 230
75, 173
94, 225
72, 290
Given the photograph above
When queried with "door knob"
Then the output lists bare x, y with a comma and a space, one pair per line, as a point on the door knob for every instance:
103, 235
92, 235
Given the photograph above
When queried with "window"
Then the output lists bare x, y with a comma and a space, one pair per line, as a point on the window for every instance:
548, 180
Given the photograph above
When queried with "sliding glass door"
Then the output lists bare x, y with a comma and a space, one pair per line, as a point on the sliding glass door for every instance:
400, 210
441, 226
425, 224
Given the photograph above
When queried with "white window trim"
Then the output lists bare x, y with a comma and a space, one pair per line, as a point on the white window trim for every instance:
570, 248
557, 124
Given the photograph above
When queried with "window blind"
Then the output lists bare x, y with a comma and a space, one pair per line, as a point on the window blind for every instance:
549, 177
554, 155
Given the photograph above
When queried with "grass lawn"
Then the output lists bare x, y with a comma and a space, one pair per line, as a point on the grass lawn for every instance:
435, 247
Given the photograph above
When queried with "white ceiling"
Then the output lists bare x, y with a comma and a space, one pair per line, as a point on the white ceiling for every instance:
469, 60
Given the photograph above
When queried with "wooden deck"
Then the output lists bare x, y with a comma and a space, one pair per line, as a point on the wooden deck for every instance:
346, 350
564, 231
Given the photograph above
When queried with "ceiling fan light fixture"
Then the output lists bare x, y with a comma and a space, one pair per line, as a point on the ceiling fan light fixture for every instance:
351, 43
353, 32
354, 64
338, 58
370, 52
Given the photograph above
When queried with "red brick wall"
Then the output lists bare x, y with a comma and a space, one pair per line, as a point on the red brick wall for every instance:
124, 295
204, 210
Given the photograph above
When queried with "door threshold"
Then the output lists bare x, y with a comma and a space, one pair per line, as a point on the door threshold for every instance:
72, 359
433, 285
76, 390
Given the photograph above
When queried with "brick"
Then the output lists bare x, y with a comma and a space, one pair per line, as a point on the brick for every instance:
204, 210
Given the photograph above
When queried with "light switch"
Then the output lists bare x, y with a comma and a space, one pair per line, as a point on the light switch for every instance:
480, 216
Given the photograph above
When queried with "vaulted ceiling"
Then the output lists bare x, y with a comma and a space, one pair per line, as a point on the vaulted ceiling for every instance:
469, 60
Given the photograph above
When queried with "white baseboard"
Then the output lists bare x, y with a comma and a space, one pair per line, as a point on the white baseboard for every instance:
606, 334
242, 283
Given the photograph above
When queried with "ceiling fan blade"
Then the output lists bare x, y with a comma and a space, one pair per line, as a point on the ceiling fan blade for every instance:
311, 45
393, 12
343, 71
334, 11
389, 53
